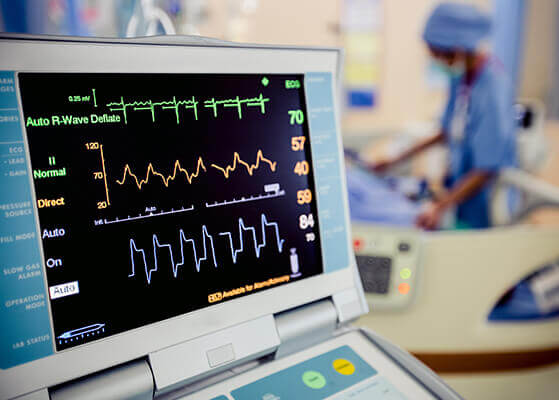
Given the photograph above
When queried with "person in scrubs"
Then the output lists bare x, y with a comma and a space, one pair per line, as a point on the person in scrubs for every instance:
478, 122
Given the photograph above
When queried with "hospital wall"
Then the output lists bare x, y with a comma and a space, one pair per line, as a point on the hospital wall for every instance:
405, 97
539, 43
536, 81
290, 22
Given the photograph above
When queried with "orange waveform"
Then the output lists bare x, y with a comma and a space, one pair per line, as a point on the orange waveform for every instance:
199, 167
250, 167
151, 171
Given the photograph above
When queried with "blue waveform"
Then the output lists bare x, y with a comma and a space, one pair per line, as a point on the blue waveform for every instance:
208, 252
175, 265
257, 246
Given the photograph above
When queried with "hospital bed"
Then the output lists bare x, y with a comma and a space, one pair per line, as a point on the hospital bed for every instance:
465, 302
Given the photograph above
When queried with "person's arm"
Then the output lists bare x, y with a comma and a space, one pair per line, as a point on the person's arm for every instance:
411, 152
464, 189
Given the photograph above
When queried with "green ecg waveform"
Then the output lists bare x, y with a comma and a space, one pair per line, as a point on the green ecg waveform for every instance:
188, 104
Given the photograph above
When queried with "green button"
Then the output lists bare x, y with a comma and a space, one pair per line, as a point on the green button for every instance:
314, 380
405, 273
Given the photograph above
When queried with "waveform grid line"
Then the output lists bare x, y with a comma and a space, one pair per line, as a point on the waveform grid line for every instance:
149, 215
151, 171
104, 171
199, 167
243, 199
205, 237
250, 167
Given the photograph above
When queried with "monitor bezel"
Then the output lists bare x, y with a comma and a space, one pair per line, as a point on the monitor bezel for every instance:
102, 56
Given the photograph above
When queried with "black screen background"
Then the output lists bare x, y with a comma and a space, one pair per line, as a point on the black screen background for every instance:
99, 257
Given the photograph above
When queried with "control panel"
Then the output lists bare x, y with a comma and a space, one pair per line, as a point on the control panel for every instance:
349, 366
389, 261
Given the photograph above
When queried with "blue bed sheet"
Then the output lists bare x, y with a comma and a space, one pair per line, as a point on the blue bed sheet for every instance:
371, 199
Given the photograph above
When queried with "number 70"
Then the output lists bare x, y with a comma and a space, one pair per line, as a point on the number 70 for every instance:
296, 117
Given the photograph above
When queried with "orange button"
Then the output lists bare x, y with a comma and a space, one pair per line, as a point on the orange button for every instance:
404, 288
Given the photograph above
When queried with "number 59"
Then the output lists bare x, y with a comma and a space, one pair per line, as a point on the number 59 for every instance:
304, 196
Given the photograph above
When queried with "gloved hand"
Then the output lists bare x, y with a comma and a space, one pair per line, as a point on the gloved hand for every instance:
430, 217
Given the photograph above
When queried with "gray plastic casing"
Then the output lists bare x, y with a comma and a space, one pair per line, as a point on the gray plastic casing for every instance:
212, 327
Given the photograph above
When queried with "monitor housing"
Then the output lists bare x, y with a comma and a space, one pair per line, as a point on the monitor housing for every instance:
88, 125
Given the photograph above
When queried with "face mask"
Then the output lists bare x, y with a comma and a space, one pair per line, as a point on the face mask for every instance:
457, 69
453, 71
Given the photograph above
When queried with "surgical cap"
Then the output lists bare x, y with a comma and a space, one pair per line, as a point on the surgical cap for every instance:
456, 26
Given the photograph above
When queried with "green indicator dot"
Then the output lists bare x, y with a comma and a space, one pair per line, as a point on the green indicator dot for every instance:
314, 380
405, 273
265, 81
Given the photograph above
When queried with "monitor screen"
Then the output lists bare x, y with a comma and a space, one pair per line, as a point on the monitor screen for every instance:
161, 194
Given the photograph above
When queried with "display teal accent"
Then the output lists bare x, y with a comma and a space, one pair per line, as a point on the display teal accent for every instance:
220, 398
289, 384
326, 159
26, 331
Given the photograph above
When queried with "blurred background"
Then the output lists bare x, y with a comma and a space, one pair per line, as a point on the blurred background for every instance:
394, 93
480, 307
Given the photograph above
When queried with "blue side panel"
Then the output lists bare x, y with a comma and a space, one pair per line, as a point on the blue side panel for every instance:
25, 333
326, 165
324, 380
508, 32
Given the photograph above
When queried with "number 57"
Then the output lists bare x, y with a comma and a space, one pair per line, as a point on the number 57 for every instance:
298, 143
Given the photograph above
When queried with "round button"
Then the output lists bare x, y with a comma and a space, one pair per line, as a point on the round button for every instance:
405, 273
343, 367
357, 244
404, 288
404, 247
314, 380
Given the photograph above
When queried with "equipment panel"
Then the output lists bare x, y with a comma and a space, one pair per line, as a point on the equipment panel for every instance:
389, 263
157, 193
347, 367
149, 196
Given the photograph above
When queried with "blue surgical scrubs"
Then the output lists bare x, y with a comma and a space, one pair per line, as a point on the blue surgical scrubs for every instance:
480, 130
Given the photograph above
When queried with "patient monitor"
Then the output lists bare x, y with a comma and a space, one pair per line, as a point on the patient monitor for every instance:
174, 225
